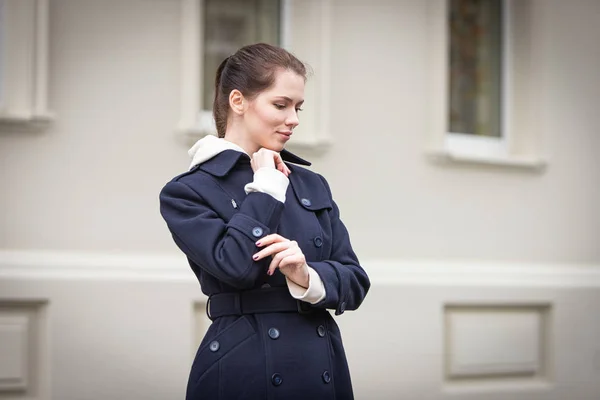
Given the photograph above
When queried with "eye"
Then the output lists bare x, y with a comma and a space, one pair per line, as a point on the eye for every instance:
279, 106
298, 109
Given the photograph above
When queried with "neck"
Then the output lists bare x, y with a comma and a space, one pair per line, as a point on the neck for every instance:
241, 138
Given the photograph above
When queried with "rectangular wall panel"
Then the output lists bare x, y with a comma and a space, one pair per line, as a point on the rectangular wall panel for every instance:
23, 350
14, 343
491, 342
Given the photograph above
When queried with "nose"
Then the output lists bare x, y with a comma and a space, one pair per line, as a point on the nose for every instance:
292, 120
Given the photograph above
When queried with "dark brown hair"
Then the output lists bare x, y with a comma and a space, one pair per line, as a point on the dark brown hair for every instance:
250, 70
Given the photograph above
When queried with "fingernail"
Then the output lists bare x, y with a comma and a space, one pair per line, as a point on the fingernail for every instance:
255, 256
258, 243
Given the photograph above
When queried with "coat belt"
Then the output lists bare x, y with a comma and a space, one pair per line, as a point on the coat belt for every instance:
258, 301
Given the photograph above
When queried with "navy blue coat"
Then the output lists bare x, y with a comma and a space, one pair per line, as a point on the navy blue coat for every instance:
214, 223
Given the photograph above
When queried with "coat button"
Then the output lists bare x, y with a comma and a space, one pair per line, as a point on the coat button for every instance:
276, 379
257, 231
326, 377
305, 202
214, 346
321, 330
274, 333
318, 241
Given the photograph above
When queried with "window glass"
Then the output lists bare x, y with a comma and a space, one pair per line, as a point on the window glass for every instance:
231, 24
475, 67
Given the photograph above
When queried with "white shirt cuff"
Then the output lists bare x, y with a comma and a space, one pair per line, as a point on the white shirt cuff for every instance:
270, 181
315, 292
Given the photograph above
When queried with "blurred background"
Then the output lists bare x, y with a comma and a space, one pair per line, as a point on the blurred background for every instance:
460, 139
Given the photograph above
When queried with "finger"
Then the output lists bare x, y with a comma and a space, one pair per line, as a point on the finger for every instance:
294, 260
283, 169
280, 258
269, 239
270, 250
292, 250
264, 158
279, 164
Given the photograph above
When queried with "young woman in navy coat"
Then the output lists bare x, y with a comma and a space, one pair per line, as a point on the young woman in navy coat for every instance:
264, 237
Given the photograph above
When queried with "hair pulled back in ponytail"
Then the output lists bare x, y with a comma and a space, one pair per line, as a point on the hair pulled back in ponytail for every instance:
250, 70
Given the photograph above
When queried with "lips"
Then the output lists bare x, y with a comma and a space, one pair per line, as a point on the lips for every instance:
285, 134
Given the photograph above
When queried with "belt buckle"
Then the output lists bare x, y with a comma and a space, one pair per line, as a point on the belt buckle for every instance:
303, 307
208, 308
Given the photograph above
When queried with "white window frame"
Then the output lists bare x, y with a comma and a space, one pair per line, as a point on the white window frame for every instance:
196, 119
24, 62
507, 150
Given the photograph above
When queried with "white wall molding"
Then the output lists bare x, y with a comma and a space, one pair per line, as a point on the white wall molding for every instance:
64, 265
482, 273
59, 265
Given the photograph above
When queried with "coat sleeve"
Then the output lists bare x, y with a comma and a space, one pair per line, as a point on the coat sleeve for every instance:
224, 250
346, 282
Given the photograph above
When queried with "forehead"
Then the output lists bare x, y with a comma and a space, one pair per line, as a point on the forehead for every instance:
287, 83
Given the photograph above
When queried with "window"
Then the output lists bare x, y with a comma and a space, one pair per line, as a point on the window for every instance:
231, 24
476, 68
214, 29
482, 63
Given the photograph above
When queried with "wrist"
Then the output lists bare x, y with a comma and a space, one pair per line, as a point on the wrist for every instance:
313, 294
303, 277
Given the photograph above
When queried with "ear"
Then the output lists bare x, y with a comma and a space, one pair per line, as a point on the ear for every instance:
237, 102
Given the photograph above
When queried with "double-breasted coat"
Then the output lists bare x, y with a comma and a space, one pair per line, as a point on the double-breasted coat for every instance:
270, 355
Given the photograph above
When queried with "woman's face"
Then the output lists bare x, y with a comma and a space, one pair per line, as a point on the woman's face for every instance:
273, 114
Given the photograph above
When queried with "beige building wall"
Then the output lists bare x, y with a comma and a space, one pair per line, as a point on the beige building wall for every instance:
90, 181
107, 303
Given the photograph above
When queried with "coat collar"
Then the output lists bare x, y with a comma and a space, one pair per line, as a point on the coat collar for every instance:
292, 158
222, 163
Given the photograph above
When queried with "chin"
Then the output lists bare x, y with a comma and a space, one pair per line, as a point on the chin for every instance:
274, 146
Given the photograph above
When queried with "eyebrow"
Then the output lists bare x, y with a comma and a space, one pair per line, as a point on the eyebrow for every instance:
290, 100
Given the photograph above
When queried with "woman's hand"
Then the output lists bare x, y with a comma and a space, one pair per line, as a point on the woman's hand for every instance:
269, 159
287, 256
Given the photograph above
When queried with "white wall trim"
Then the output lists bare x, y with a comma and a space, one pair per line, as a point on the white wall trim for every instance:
64, 265
482, 273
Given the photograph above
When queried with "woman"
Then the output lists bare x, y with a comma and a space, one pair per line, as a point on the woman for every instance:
264, 237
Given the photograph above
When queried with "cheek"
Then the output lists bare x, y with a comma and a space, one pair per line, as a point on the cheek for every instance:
269, 116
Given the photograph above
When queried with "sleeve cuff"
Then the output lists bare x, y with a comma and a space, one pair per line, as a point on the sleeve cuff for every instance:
270, 181
315, 292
